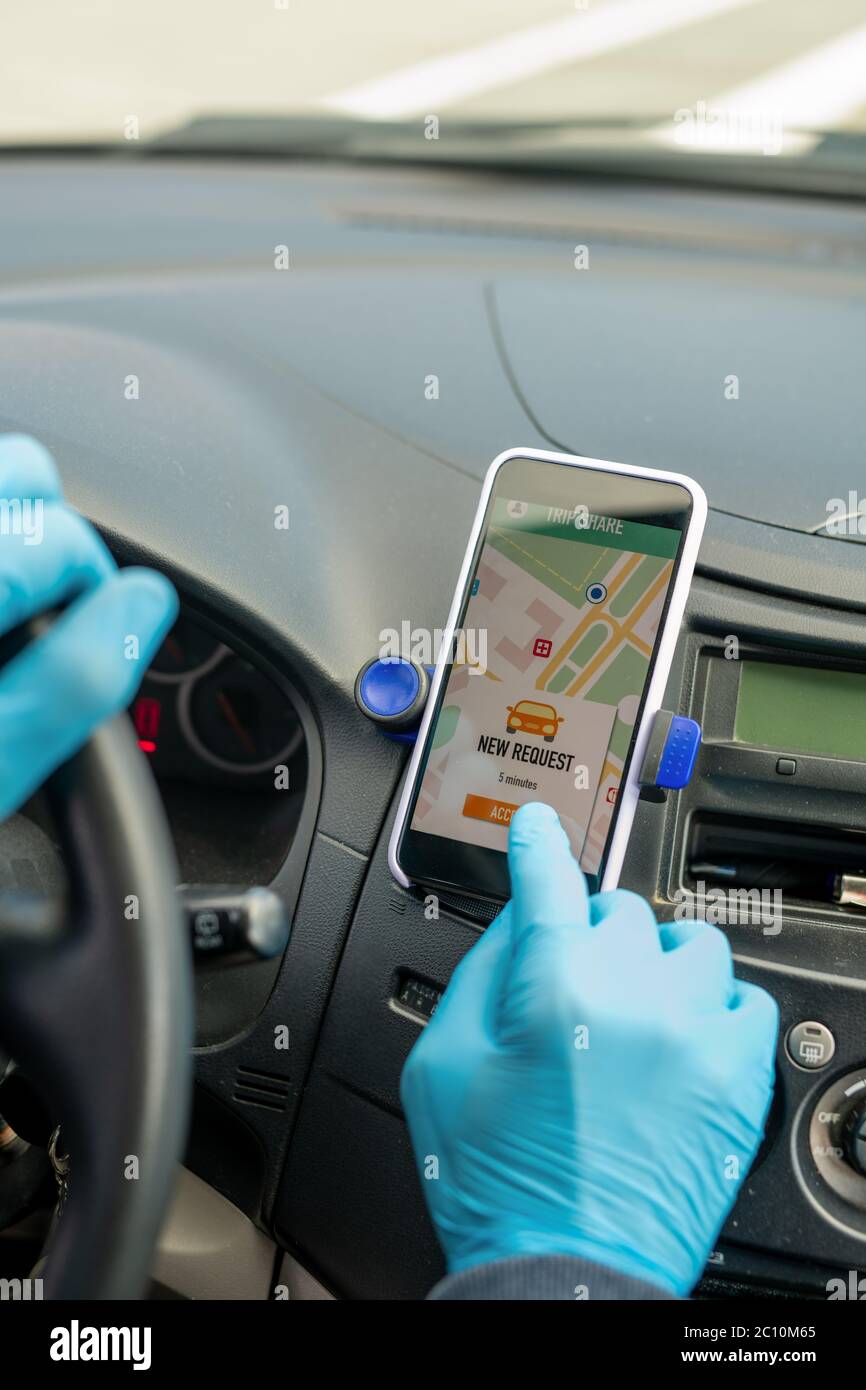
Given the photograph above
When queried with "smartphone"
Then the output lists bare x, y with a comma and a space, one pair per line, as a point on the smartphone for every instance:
551, 668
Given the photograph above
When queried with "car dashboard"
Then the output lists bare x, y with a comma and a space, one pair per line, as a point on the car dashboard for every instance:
298, 441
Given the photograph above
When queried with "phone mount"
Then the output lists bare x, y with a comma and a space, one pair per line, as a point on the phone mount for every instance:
671, 753
392, 692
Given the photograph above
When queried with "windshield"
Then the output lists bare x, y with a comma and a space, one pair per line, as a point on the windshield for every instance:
763, 78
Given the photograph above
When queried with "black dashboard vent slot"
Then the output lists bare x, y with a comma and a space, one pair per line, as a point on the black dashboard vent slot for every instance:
263, 1088
476, 909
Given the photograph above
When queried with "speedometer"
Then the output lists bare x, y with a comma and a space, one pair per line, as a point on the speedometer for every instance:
187, 651
238, 720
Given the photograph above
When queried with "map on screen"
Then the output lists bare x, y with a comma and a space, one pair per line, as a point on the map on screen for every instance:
568, 605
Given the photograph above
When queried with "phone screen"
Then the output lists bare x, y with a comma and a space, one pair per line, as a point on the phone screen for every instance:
559, 627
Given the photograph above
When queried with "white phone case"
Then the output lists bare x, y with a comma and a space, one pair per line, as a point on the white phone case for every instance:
629, 789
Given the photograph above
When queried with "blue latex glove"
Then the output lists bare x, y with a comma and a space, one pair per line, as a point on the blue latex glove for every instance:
628, 1152
66, 683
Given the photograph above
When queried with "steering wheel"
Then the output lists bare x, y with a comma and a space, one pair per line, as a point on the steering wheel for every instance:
96, 1005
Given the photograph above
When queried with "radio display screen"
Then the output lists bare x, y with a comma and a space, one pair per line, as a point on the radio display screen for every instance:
802, 709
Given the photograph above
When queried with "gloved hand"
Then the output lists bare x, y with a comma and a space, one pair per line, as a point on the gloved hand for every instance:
628, 1150
84, 669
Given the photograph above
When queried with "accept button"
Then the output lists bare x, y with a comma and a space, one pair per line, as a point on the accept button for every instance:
484, 808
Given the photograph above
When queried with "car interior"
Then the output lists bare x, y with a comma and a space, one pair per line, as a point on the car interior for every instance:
274, 356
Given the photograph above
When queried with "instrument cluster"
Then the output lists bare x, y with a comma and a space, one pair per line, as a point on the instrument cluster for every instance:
204, 713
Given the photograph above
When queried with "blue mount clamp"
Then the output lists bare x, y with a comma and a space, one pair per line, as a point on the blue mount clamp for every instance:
671, 753
392, 691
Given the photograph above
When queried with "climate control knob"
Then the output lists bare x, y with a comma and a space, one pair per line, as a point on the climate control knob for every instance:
854, 1137
833, 1151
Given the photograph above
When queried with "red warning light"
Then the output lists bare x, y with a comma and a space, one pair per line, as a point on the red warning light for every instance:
146, 714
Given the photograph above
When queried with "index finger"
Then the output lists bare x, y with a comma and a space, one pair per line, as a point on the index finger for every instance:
547, 887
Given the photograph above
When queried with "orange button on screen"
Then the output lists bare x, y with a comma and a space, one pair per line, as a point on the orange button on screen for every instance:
484, 808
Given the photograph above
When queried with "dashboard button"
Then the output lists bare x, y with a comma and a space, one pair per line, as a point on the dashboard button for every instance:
786, 767
810, 1045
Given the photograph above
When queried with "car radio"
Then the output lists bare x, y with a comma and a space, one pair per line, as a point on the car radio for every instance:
778, 803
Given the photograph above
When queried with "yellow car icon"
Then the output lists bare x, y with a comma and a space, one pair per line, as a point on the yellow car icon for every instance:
529, 717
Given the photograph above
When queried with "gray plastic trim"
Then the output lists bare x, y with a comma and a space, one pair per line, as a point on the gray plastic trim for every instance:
208, 1248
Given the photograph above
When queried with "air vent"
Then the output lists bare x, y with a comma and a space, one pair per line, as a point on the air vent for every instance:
476, 909
261, 1088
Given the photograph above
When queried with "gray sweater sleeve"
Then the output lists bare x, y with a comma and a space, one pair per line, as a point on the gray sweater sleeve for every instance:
546, 1278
